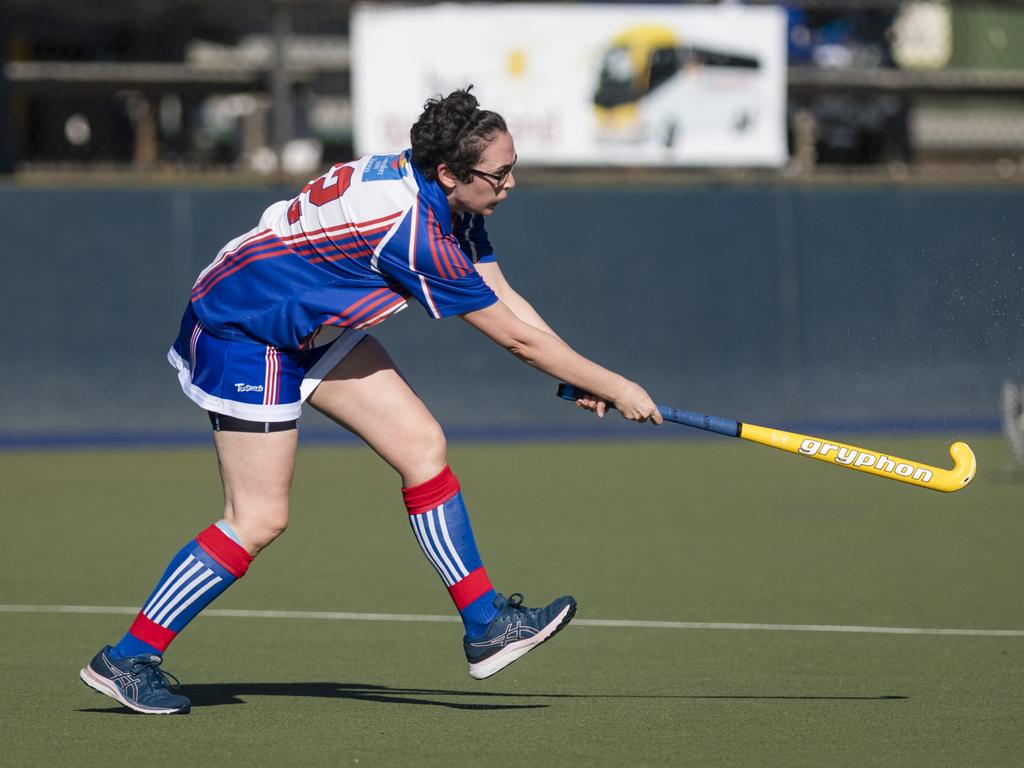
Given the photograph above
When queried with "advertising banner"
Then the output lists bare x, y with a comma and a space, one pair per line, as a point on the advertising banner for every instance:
583, 84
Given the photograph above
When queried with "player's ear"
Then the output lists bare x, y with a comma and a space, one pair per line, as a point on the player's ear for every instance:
446, 178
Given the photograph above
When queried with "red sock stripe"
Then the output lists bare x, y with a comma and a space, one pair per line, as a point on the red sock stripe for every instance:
470, 588
225, 551
432, 493
151, 633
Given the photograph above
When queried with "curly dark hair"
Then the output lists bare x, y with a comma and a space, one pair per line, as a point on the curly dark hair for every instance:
452, 130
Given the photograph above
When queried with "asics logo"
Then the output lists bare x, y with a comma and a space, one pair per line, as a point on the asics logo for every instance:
248, 387
512, 633
124, 680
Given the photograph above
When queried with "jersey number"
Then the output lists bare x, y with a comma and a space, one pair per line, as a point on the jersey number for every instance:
328, 187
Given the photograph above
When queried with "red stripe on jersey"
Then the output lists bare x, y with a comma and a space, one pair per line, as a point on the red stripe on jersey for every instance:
446, 255
446, 252
268, 254
374, 305
306, 235
395, 304
226, 259
438, 240
470, 588
228, 263
365, 240
425, 496
355, 236
221, 262
262, 235
460, 264
224, 550
345, 314
433, 243
151, 633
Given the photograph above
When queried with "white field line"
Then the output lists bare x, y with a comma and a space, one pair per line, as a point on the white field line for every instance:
623, 623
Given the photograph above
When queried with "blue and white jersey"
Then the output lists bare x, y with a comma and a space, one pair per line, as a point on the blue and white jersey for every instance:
348, 251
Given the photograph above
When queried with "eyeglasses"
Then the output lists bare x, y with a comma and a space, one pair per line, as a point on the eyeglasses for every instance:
496, 180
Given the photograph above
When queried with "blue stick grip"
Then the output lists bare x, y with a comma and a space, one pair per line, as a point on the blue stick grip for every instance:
717, 424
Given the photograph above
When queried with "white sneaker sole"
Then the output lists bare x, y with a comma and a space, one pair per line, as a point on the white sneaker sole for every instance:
107, 688
511, 652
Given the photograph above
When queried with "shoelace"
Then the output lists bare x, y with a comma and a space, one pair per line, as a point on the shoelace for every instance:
515, 602
158, 678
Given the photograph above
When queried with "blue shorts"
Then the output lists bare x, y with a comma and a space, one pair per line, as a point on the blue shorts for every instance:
253, 381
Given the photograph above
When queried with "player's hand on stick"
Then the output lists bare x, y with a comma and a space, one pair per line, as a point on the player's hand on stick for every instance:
636, 405
593, 403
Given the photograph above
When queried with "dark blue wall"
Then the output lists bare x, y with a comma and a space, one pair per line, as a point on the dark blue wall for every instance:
784, 305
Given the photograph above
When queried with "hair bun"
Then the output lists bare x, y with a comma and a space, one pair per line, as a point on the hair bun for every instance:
449, 114
452, 129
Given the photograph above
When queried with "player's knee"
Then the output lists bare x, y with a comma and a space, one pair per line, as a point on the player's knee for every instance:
424, 453
263, 534
431, 445
257, 528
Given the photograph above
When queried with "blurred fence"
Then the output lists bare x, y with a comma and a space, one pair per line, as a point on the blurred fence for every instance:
883, 306
264, 86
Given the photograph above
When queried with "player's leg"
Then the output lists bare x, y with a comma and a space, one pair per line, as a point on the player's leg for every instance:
367, 394
256, 462
256, 469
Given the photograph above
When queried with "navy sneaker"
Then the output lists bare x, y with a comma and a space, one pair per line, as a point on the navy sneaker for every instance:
137, 682
515, 631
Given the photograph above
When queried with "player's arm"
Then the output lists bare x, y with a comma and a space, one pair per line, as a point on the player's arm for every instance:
550, 354
495, 279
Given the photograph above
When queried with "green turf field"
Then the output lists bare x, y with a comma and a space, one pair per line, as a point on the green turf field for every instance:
689, 531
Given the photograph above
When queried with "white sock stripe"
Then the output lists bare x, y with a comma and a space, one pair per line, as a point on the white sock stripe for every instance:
430, 559
174, 588
167, 582
448, 540
424, 539
181, 594
426, 550
208, 585
429, 543
456, 575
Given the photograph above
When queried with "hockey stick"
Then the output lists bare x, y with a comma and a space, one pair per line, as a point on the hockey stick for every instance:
851, 457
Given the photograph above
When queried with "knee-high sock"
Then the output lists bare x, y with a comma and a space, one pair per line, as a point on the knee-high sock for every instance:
196, 576
439, 519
